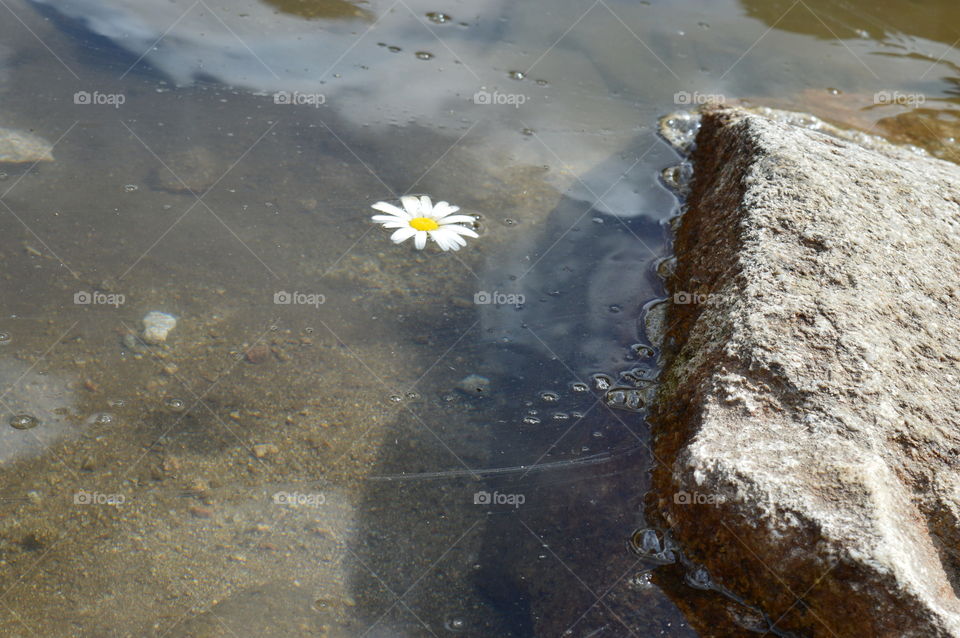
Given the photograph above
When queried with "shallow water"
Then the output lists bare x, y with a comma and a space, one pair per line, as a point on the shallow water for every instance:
291, 469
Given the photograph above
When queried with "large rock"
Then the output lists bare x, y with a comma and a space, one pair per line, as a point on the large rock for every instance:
808, 424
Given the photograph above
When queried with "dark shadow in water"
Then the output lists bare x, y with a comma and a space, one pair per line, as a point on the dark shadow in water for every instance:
528, 488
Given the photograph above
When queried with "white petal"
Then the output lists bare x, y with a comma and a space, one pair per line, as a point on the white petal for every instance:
411, 204
426, 206
454, 241
440, 209
403, 234
384, 207
396, 224
439, 239
380, 219
460, 229
450, 208
456, 219
420, 240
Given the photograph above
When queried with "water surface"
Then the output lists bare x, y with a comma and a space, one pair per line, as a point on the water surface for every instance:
292, 469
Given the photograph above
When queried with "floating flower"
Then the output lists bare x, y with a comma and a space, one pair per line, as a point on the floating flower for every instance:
420, 218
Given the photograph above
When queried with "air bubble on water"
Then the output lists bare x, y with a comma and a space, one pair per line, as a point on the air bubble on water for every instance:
424, 55
454, 624
703, 25
646, 544
601, 382
560, 416
176, 405
549, 397
579, 387
5, 338
396, 398
412, 395
643, 350
597, 434
833, 91
643, 580
528, 132
24, 421
116, 403
130, 187
438, 17
542, 82
615, 398
509, 222
516, 75
615, 308
394, 49
103, 418
698, 577
531, 420
649, 541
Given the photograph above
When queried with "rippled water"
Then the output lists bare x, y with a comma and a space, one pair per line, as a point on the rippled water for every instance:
423, 443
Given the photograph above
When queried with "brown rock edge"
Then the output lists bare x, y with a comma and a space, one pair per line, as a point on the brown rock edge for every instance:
808, 421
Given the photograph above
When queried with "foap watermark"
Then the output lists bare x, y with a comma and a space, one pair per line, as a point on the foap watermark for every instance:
686, 98
496, 498
497, 298
483, 96
297, 98
83, 497
696, 498
295, 298
300, 499
882, 98
96, 298
116, 100
683, 297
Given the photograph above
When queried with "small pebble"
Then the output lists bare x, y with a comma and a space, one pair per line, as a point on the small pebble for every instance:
200, 512
258, 354
262, 450
156, 327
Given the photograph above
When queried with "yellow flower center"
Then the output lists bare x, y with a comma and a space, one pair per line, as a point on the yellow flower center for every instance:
424, 223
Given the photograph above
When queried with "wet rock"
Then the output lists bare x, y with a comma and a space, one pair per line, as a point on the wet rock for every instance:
808, 420
19, 147
156, 327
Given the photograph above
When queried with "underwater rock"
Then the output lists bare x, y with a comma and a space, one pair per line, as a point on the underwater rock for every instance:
809, 419
19, 147
156, 327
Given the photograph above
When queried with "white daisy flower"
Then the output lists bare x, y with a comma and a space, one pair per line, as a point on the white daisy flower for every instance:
420, 218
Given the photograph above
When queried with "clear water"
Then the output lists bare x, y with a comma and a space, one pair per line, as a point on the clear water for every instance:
292, 469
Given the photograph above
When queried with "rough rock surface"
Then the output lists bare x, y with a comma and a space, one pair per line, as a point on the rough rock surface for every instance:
810, 405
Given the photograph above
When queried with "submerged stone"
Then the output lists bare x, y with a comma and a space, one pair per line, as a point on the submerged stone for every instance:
20, 147
156, 327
